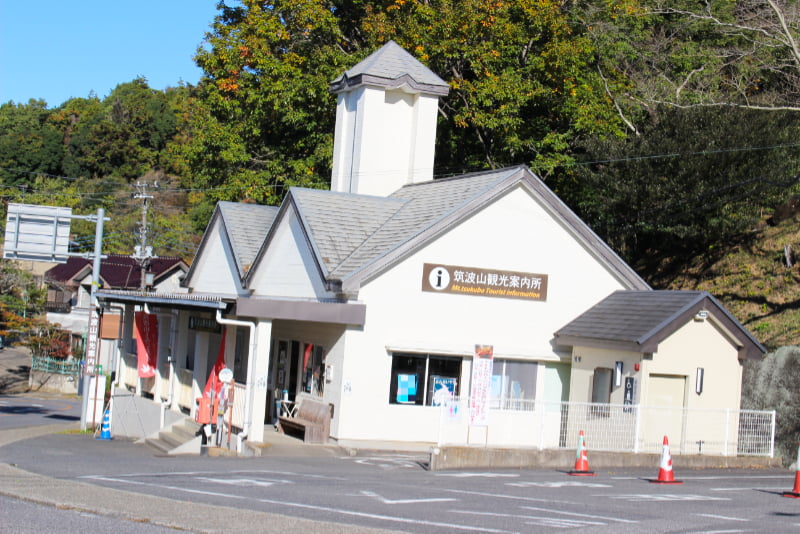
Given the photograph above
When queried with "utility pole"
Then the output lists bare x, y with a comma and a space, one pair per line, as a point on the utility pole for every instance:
143, 252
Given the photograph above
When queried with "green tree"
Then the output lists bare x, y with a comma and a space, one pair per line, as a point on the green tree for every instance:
693, 182
29, 143
521, 75
699, 53
522, 78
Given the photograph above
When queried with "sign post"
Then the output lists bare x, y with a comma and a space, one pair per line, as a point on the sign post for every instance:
41, 233
93, 338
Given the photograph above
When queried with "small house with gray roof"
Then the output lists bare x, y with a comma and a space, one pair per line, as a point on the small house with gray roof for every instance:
400, 308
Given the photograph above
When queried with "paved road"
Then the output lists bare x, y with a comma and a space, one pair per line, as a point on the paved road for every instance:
386, 491
57, 481
18, 411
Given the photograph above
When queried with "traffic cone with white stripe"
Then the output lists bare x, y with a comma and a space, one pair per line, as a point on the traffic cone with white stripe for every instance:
105, 430
665, 474
581, 460
795, 493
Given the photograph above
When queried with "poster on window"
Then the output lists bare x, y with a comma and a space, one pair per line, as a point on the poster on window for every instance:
146, 343
444, 390
481, 385
406, 389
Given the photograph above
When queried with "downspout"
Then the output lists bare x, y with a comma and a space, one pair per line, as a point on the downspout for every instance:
172, 331
250, 363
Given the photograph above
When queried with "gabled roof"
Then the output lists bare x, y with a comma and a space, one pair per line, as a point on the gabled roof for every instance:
639, 320
116, 271
245, 226
391, 67
355, 237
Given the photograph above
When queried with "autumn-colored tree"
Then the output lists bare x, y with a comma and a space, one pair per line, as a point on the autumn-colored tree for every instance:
522, 86
521, 73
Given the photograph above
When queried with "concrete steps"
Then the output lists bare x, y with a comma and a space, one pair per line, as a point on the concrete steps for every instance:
182, 437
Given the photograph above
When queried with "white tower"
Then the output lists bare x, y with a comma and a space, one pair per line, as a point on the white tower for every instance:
385, 123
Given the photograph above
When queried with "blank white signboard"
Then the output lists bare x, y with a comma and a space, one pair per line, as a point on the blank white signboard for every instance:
38, 233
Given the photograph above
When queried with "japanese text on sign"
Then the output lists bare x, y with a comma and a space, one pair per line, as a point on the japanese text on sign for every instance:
483, 282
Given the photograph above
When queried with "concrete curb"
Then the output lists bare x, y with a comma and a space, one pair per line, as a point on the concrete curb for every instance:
444, 458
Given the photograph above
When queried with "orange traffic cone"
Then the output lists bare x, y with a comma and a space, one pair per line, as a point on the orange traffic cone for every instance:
665, 474
581, 461
795, 493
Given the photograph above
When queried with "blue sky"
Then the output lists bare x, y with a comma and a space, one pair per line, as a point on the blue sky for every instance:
56, 50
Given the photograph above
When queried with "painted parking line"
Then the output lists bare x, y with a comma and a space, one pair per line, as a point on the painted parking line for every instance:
637, 497
478, 475
606, 518
559, 484
538, 520
725, 517
450, 527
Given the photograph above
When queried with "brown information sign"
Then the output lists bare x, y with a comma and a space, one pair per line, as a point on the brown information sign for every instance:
439, 278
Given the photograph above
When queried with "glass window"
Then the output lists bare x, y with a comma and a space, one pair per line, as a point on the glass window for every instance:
601, 390
422, 379
512, 383
241, 355
313, 369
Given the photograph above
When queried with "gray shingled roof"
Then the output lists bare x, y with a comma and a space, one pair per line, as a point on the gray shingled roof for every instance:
354, 237
391, 66
640, 320
247, 226
423, 205
341, 222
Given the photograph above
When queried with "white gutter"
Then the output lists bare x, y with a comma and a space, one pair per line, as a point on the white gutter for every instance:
250, 364
173, 326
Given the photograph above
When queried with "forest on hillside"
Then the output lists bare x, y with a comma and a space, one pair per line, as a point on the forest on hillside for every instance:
670, 127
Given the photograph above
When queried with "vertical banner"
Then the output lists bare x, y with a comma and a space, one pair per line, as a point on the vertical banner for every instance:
92, 341
146, 343
481, 384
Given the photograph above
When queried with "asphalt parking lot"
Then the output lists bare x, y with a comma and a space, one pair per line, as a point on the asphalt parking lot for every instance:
387, 491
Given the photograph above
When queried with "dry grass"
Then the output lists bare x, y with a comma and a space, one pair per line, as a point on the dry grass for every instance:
755, 284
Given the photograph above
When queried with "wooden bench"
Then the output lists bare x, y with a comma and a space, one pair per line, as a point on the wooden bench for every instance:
312, 421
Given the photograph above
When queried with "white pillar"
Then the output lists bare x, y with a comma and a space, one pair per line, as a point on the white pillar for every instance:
258, 369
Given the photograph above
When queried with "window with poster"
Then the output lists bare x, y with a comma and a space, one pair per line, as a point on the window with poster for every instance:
313, 370
423, 379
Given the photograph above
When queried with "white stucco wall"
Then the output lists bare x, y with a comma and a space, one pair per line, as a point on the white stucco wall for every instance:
666, 389
700, 344
172, 284
515, 233
384, 140
288, 268
214, 270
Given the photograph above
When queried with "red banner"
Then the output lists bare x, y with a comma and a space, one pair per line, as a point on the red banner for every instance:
213, 383
146, 343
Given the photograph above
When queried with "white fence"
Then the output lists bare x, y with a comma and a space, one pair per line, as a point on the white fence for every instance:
611, 427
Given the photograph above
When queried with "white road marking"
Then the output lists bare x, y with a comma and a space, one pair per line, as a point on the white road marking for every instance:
486, 475
634, 497
404, 501
616, 519
448, 526
714, 516
561, 484
536, 520
244, 481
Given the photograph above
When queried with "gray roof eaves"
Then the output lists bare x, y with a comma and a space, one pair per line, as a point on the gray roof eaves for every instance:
345, 83
177, 300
